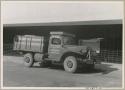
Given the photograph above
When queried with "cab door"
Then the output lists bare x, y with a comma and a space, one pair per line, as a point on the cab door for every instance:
55, 46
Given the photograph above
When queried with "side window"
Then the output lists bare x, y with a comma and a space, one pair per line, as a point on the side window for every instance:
56, 41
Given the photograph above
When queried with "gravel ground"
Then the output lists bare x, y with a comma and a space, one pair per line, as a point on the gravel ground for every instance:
15, 74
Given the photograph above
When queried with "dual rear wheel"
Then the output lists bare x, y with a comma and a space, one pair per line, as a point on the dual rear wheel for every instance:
28, 60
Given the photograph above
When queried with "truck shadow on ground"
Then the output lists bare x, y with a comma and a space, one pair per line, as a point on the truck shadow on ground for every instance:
105, 68
102, 68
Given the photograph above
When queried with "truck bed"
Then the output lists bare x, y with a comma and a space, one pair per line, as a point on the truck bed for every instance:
29, 43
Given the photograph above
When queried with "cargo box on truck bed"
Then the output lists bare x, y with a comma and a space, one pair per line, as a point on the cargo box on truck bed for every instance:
29, 43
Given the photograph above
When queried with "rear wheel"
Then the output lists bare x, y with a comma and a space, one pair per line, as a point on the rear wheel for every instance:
28, 60
70, 64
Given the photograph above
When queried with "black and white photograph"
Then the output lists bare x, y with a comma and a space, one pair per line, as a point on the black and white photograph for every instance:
62, 44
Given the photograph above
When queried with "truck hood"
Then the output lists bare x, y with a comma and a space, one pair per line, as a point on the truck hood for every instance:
76, 48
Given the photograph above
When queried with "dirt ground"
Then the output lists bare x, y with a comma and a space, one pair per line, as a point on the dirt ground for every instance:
15, 74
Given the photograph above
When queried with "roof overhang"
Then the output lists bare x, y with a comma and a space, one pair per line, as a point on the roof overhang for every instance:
97, 22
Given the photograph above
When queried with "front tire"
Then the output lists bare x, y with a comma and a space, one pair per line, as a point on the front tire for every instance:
28, 60
70, 64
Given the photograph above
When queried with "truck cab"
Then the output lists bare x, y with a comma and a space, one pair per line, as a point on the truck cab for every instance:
57, 43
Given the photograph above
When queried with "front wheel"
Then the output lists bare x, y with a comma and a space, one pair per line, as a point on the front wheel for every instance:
70, 64
28, 60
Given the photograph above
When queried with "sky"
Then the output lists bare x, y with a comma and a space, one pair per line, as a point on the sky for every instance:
43, 12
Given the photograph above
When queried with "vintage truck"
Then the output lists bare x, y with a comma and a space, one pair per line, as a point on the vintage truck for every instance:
59, 47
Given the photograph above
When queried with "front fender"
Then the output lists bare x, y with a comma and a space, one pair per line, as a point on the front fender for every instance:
64, 55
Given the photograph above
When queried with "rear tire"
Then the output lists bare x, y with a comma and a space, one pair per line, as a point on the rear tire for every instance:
70, 64
28, 60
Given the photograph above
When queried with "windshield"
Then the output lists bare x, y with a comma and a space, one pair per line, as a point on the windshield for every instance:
68, 40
